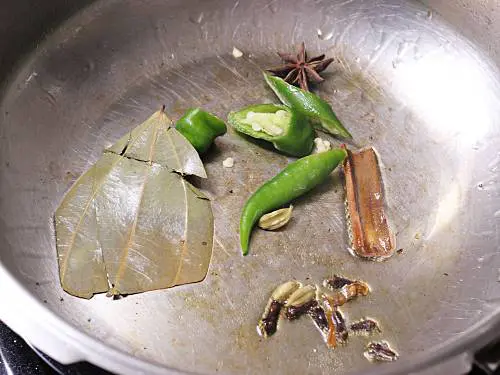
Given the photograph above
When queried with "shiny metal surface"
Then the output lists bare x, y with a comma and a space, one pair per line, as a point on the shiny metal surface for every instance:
406, 82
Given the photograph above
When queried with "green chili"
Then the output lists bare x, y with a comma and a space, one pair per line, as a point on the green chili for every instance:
200, 128
294, 180
288, 129
307, 103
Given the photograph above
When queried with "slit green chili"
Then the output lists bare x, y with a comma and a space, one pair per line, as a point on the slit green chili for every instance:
200, 128
293, 181
287, 129
309, 104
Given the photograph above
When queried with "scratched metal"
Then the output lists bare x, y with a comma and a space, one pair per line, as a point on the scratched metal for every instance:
404, 81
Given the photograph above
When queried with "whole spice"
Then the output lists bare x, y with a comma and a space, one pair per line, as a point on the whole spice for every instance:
337, 330
323, 309
268, 324
331, 338
131, 223
340, 326
365, 327
357, 288
287, 129
345, 294
294, 180
336, 282
318, 316
380, 351
200, 128
301, 296
367, 223
308, 104
295, 312
276, 219
299, 69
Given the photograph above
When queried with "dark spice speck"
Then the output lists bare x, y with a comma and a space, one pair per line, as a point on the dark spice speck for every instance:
337, 282
295, 312
269, 323
365, 326
380, 351
340, 327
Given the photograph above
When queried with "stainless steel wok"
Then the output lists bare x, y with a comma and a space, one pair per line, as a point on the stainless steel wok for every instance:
406, 80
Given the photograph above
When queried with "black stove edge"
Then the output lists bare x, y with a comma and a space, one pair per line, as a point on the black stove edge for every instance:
19, 358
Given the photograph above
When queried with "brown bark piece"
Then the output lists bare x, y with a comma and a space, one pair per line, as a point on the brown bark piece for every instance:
369, 230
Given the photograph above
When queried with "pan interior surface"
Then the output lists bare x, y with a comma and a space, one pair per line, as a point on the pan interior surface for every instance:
403, 81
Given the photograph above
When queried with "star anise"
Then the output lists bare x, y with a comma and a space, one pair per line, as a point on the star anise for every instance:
301, 70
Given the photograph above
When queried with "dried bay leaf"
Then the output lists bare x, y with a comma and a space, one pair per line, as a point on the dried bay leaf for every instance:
130, 223
155, 141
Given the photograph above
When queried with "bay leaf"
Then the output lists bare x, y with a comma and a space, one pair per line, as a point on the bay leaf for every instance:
132, 223
157, 141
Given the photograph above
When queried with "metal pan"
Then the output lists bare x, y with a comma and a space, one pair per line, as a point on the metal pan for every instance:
405, 82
